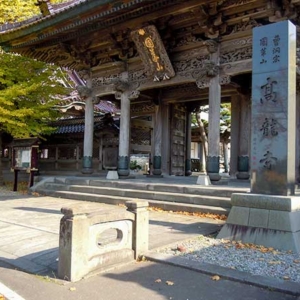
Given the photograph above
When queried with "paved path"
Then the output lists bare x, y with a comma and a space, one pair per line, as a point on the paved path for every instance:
29, 230
29, 241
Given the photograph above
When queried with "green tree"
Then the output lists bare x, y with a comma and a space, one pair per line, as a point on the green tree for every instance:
19, 10
199, 119
29, 89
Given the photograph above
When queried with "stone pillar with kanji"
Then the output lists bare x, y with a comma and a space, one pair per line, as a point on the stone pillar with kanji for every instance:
274, 110
269, 215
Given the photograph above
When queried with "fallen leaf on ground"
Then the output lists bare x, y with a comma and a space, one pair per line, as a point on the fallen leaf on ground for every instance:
274, 262
181, 248
216, 277
286, 278
158, 280
168, 282
296, 261
194, 214
141, 258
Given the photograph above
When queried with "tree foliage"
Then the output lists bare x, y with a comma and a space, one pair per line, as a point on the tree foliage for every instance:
19, 10
29, 89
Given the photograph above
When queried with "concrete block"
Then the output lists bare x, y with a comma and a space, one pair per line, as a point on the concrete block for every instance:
286, 221
239, 215
203, 180
295, 221
141, 234
258, 218
112, 175
279, 220
283, 203
260, 236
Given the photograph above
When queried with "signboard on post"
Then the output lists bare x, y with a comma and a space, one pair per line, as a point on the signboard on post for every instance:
25, 158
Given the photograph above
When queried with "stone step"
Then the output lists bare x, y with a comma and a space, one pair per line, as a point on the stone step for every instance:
153, 195
166, 205
219, 191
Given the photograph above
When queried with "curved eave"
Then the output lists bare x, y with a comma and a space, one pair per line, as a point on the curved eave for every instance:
64, 21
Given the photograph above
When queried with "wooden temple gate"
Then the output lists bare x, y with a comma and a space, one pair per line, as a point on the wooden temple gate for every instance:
155, 58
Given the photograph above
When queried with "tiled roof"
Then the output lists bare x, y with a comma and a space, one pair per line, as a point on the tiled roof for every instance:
76, 125
64, 8
57, 8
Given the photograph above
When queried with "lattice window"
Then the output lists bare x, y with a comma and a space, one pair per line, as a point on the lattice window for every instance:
110, 141
48, 153
141, 136
96, 152
67, 152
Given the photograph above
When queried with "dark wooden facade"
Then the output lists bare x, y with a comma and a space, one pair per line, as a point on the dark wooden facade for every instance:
174, 71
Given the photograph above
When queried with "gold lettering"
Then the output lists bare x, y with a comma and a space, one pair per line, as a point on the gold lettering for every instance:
150, 45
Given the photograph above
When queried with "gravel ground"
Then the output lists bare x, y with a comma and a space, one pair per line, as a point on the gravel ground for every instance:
257, 260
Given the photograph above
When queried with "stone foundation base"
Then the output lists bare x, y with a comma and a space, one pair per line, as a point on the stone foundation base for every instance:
112, 175
243, 175
214, 176
203, 180
271, 221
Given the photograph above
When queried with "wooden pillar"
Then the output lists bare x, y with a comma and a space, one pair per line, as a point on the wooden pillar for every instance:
165, 145
188, 164
235, 133
157, 140
213, 157
86, 93
125, 92
244, 139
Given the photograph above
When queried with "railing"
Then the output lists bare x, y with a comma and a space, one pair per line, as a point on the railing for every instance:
85, 239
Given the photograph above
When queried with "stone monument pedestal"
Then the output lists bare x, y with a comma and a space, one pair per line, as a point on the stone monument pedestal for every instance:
112, 174
272, 221
203, 179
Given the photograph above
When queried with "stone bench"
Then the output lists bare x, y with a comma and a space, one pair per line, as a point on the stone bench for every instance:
85, 243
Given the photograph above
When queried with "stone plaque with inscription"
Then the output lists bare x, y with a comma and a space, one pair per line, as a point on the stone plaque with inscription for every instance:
273, 109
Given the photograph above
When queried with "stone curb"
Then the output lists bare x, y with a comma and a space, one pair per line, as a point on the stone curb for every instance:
291, 288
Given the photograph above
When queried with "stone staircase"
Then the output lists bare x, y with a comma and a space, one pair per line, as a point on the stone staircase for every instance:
172, 195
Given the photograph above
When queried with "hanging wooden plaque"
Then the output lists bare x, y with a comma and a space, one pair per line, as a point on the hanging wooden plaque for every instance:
153, 53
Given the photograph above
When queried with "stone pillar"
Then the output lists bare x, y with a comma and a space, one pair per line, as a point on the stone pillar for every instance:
73, 245
213, 157
124, 92
297, 163
244, 139
269, 215
234, 135
86, 93
188, 163
157, 141
141, 227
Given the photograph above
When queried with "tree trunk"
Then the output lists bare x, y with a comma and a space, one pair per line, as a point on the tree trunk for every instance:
203, 136
225, 153
1, 168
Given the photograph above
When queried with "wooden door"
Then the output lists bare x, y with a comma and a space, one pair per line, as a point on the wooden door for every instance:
178, 130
